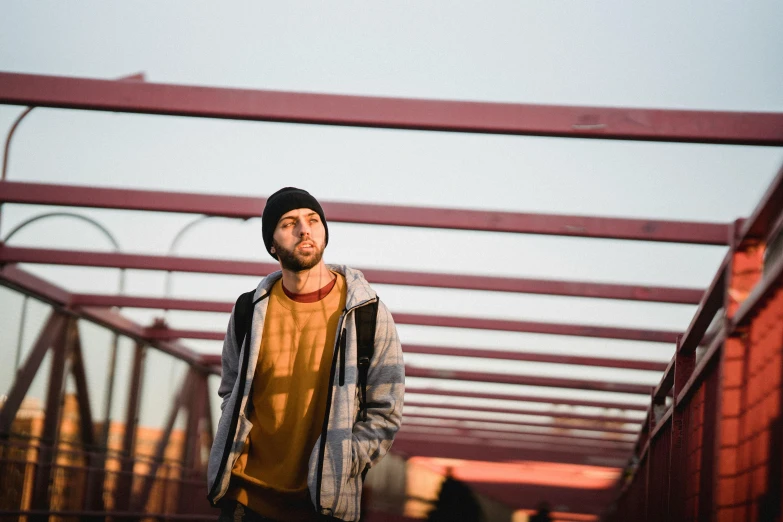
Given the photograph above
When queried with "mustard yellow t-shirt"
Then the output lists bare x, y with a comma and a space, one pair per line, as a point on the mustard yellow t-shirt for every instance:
289, 393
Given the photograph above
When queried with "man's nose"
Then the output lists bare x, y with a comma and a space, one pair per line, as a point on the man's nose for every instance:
304, 228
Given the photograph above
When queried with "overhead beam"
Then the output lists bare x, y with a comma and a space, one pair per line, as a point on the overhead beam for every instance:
245, 207
569, 441
396, 113
421, 447
574, 330
558, 415
578, 402
626, 364
391, 277
528, 380
510, 423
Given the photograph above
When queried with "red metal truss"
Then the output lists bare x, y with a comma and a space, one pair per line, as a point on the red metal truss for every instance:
394, 277
507, 423
30, 284
391, 215
627, 364
410, 446
604, 332
466, 394
528, 380
396, 113
562, 439
499, 378
615, 419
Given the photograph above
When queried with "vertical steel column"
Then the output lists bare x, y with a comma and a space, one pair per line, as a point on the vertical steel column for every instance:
49, 439
192, 451
210, 429
125, 479
96, 461
193, 468
141, 498
684, 365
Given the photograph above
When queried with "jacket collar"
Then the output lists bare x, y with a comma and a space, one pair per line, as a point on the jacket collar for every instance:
358, 290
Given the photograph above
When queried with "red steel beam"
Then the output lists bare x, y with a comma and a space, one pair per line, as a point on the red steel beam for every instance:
750, 128
626, 364
392, 277
466, 394
529, 380
245, 207
524, 380
767, 213
420, 403
30, 284
514, 423
421, 447
511, 438
604, 332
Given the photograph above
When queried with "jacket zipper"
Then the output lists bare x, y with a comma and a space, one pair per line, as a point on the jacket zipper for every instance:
237, 407
322, 445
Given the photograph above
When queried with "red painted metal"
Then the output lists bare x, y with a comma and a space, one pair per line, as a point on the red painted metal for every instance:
766, 214
245, 207
51, 331
525, 380
586, 426
628, 364
52, 414
465, 394
711, 303
143, 493
566, 441
122, 493
422, 447
29, 284
392, 277
606, 332
395, 113
615, 419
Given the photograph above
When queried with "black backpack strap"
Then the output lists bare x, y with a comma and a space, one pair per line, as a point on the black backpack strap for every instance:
243, 316
365, 317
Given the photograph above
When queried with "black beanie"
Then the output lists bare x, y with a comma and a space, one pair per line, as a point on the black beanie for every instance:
285, 200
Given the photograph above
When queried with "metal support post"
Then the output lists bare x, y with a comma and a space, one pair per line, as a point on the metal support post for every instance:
125, 479
48, 445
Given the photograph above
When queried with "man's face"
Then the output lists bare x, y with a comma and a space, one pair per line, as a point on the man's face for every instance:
298, 239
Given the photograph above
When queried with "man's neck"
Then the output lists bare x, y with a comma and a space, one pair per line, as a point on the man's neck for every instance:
307, 281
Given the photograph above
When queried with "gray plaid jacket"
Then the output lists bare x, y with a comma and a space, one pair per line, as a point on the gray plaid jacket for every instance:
348, 446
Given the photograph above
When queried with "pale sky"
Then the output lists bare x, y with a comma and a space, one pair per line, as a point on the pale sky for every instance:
710, 55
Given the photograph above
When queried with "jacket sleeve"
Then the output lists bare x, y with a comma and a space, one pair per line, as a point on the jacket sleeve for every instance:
385, 391
230, 363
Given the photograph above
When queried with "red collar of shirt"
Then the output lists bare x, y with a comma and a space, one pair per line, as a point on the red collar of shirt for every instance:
311, 297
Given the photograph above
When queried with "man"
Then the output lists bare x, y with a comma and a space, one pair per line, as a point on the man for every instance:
293, 443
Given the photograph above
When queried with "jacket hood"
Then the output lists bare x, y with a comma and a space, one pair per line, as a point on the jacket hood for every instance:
358, 290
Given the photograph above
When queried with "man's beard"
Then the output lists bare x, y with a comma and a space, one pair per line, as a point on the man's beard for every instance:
295, 261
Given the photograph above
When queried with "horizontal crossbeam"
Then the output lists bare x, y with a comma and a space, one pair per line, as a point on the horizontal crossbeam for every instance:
246, 207
396, 113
